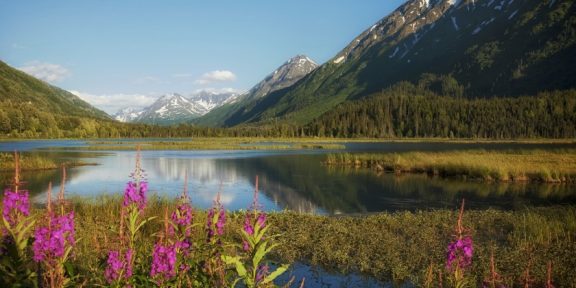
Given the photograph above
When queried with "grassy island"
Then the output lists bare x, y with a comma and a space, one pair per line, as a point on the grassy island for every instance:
557, 165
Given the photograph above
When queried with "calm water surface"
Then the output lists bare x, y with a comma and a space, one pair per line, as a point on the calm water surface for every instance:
293, 180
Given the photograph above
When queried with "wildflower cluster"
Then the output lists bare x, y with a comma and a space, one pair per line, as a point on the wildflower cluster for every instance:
118, 266
55, 240
163, 262
460, 254
135, 194
15, 206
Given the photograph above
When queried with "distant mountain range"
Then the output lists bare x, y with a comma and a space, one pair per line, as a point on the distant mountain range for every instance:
488, 48
283, 77
175, 108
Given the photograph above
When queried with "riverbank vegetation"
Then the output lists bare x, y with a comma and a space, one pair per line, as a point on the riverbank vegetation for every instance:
398, 247
554, 165
145, 240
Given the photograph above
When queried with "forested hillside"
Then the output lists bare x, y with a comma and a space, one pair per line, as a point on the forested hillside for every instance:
408, 110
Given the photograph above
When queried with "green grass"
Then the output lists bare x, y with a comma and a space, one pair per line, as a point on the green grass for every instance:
388, 246
503, 166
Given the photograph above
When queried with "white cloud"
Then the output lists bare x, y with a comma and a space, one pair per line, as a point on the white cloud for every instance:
46, 71
112, 103
216, 76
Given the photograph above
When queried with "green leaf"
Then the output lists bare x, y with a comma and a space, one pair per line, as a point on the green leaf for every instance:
259, 254
240, 269
275, 274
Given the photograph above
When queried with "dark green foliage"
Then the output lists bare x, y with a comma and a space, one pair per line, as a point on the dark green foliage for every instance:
409, 111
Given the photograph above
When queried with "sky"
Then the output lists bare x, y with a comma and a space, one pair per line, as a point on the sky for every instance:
126, 53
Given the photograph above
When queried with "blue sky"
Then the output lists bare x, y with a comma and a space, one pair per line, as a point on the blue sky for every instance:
116, 53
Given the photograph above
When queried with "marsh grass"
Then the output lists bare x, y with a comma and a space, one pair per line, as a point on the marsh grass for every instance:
31, 162
501, 166
397, 247
216, 144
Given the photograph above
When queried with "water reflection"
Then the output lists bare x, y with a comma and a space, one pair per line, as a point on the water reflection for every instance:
288, 180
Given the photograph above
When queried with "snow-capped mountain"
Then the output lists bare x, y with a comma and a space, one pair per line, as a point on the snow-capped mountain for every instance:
208, 100
170, 108
174, 108
127, 114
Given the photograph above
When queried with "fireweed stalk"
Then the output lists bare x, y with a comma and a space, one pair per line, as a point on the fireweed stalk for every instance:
213, 265
249, 267
180, 229
15, 230
121, 262
459, 254
164, 256
53, 244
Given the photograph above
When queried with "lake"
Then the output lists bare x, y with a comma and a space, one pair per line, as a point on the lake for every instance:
288, 179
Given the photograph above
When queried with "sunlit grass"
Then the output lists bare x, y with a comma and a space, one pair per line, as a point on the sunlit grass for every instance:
529, 165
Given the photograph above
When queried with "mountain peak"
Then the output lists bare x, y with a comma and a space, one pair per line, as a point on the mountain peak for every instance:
284, 76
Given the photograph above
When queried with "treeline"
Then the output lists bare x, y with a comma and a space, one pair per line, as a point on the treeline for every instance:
24, 120
407, 110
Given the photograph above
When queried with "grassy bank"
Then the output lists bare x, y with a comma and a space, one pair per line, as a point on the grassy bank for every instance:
529, 165
35, 162
399, 247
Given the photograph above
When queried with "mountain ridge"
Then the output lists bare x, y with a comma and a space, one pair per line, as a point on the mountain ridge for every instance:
489, 48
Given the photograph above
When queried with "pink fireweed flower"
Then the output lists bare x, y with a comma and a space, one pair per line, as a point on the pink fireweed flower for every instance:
460, 254
182, 217
221, 222
15, 204
163, 262
118, 266
261, 220
248, 228
135, 194
52, 242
